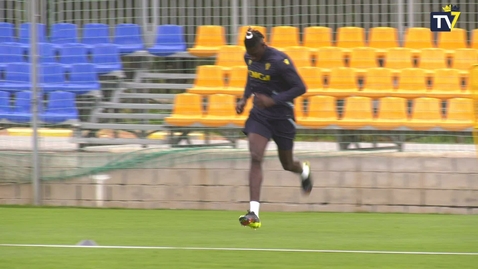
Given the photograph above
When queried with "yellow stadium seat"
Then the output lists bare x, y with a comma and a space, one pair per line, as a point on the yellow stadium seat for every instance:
463, 59
378, 83
237, 81
299, 108
284, 36
362, 58
358, 113
299, 55
221, 110
350, 37
447, 84
187, 110
313, 80
426, 114
382, 38
450, 41
474, 39
398, 58
460, 114
412, 83
432, 58
316, 37
321, 113
240, 120
242, 33
209, 38
329, 57
343, 82
229, 56
392, 113
209, 80
418, 38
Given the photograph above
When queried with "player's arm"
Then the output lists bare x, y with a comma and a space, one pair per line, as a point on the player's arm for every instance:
247, 89
297, 87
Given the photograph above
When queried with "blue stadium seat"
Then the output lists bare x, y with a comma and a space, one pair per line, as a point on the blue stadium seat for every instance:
17, 77
169, 40
10, 53
128, 37
7, 32
51, 77
24, 36
4, 105
73, 53
95, 33
83, 79
62, 33
46, 53
21, 112
106, 58
61, 107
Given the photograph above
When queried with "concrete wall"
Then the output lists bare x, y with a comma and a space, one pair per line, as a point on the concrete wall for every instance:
372, 183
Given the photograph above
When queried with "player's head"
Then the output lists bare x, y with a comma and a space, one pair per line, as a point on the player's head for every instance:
254, 43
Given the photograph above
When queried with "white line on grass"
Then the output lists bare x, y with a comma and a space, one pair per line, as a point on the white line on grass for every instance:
248, 249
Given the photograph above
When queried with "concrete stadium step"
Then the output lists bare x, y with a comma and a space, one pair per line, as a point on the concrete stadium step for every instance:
116, 141
136, 116
130, 95
134, 106
166, 75
158, 86
122, 126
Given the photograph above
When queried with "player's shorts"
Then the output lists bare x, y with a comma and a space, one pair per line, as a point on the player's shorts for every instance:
282, 131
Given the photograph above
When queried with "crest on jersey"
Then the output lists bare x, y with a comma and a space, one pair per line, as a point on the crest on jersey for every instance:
249, 62
268, 65
286, 61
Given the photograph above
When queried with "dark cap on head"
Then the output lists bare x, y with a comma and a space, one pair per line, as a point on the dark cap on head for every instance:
253, 38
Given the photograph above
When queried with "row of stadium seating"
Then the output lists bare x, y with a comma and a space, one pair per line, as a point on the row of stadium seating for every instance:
322, 112
60, 108
82, 78
105, 57
344, 82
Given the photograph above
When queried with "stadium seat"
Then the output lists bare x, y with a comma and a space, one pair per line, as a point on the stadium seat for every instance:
426, 114
299, 55
209, 80
299, 112
392, 113
446, 84
350, 37
450, 41
321, 112
209, 38
169, 40
221, 110
343, 82
463, 59
62, 33
83, 79
358, 113
417, 38
21, 111
46, 53
412, 83
95, 33
24, 35
432, 58
61, 108
460, 115
382, 38
17, 77
398, 58
329, 57
7, 32
187, 110
316, 37
106, 58
10, 53
242, 33
236, 81
284, 36
4, 105
128, 37
313, 80
73, 53
229, 56
51, 77
378, 83
362, 58
474, 39
240, 119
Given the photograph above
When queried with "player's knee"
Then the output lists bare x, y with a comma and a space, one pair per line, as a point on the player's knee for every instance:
256, 157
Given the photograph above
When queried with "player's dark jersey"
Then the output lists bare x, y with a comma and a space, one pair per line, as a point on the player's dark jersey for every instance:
274, 75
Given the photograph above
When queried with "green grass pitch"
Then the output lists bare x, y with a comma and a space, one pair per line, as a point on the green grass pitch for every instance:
220, 229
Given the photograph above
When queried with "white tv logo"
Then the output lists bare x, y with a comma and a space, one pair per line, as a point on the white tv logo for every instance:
439, 18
